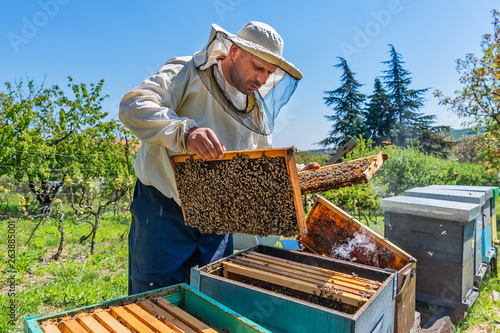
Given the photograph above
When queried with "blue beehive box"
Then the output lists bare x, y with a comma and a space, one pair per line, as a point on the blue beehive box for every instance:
214, 316
288, 307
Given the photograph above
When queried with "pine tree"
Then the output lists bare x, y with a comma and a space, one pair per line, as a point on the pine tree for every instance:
377, 114
347, 104
403, 117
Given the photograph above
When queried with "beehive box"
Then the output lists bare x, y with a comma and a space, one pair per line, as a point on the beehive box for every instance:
333, 233
483, 250
489, 209
288, 291
178, 308
440, 235
341, 174
252, 191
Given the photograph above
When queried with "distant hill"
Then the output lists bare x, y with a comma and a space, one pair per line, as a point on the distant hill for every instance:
457, 134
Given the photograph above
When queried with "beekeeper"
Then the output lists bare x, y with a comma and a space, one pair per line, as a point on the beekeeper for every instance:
224, 98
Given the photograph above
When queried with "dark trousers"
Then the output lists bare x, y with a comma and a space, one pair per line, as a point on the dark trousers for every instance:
162, 249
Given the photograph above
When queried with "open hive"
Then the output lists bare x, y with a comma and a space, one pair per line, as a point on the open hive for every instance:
333, 233
254, 192
289, 291
178, 308
336, 290
339, 175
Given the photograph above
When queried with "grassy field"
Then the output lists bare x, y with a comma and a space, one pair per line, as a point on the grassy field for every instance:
77, 279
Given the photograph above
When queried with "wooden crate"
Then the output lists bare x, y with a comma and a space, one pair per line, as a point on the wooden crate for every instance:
288, 291
178, 308
251, 191
331, 232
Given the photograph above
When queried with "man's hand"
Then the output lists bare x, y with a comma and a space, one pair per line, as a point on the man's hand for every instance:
311, 166
204, 143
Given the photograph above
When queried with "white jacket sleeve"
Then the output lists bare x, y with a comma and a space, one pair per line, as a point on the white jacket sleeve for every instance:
149, 110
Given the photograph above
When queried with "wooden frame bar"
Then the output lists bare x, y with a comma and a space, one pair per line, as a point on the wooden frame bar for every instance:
289, 282
164, 316
183, 316
348, 283
90, 323
49, 326
110, 323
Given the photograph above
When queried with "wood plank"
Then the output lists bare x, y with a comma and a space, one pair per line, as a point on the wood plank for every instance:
305, 267
147, 319
321, 285
68, 325
355, 289
309, 272
299, 285
110, 323
164, 316
228, 155
183, 316
128, 319
50, 327
291, 166
90, 323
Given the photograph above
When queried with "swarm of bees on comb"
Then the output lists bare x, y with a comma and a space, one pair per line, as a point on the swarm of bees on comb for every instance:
334, 176
241, 194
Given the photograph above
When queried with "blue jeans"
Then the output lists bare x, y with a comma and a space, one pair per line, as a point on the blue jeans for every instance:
162, 249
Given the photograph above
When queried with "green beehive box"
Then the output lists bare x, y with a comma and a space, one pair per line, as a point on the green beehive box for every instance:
196, 309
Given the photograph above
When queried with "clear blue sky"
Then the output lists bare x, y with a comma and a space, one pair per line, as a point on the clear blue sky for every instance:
123, 42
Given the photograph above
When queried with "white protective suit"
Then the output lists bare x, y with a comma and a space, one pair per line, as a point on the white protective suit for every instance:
162, 110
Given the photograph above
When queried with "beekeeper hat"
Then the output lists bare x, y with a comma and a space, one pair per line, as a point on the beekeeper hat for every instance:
264, 104
263, 42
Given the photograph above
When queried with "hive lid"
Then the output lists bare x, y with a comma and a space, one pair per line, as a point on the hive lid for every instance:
332, 232
489, 191
445, 194
461, 212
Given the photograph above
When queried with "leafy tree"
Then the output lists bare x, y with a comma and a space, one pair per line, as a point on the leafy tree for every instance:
347, 104
51, 140
377, 114
479, 98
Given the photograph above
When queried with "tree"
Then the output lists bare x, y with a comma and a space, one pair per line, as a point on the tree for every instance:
479, 97
403, 117
347, 104
51, 141
377, 114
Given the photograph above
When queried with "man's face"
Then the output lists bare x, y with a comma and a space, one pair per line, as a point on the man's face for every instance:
248, 73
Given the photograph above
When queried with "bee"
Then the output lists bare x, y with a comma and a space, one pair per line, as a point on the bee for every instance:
443, 233
430, 253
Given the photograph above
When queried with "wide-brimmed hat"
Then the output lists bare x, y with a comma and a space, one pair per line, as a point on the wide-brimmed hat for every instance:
263, 42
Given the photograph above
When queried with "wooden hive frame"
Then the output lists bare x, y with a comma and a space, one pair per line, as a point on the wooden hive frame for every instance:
345, 288
339, 175
341, 219
213, 218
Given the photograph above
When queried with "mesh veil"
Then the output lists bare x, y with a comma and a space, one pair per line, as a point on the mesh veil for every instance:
262, 106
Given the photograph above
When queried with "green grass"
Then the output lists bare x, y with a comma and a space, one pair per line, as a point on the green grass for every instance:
77, 279
485, 313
